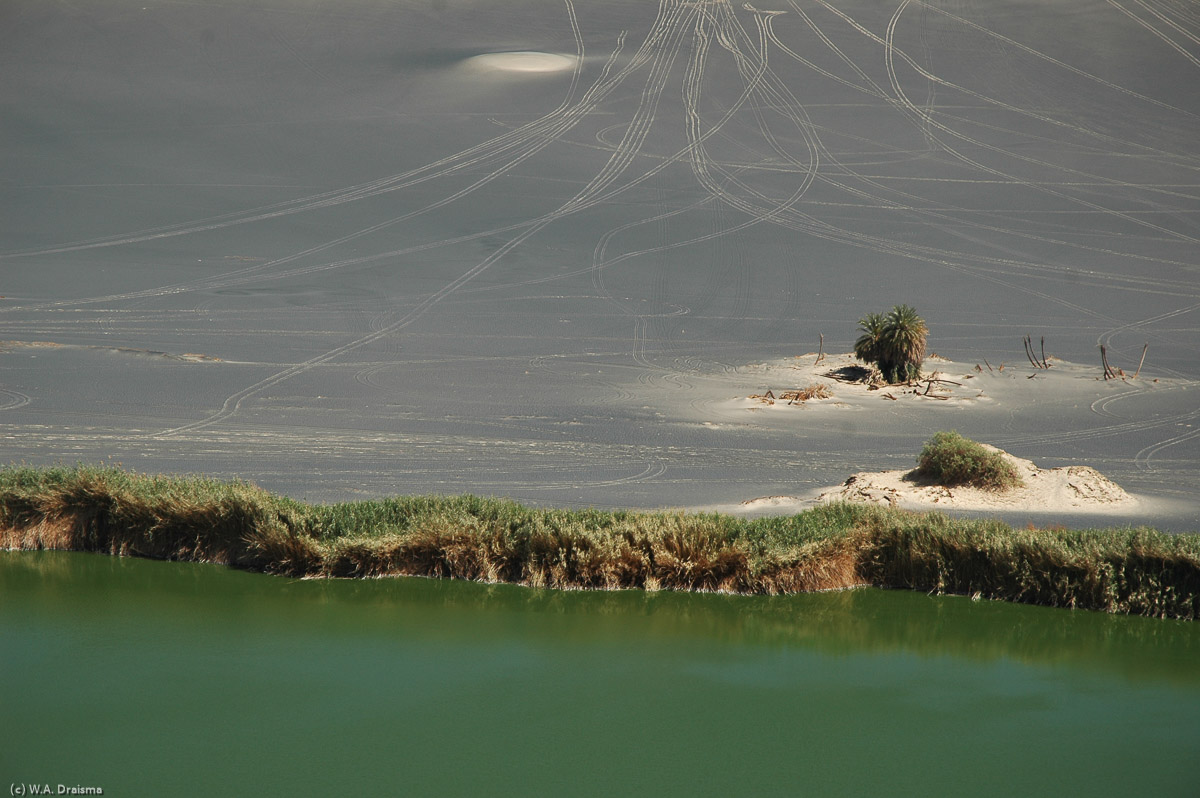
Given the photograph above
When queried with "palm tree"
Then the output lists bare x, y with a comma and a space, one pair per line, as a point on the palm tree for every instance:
866, 348
901, 345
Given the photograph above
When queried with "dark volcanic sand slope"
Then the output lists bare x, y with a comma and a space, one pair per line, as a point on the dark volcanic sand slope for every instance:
411, 269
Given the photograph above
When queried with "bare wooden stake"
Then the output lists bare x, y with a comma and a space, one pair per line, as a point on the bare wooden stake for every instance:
1143, 360
820, 350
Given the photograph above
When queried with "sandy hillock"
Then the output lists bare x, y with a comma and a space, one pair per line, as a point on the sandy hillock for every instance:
1077, 488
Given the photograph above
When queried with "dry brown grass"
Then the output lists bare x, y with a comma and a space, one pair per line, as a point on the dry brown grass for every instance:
796, 396
45, 534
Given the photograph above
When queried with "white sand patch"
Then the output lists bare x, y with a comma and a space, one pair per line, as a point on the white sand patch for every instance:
770, 502
521, 61
844, 379
944, 384
1073, 488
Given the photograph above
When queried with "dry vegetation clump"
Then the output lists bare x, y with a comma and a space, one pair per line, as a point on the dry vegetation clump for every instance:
949, 459
818, 390
797, 396
833, 546
116, 512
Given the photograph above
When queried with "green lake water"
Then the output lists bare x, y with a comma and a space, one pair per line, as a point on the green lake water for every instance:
153, 678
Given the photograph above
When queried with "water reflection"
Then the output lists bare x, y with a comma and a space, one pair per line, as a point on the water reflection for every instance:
867, 621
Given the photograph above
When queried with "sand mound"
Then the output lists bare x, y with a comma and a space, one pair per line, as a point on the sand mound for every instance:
1077, 488
522, 61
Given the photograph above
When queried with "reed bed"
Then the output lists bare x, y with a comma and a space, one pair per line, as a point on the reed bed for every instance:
832, 547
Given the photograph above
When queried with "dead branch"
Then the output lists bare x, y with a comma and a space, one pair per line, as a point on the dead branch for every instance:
1029, 351
929, 382
1033, 358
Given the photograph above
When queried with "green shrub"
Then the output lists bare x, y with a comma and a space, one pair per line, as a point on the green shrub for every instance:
950, 459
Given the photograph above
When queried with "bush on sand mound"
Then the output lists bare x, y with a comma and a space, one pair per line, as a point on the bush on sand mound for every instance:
950, 459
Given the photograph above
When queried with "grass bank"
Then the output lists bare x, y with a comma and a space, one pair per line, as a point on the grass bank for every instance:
84, 508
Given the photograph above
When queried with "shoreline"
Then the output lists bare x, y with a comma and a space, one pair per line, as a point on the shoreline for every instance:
831, 547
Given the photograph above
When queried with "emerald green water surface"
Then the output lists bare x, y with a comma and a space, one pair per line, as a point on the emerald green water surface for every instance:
153, 678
